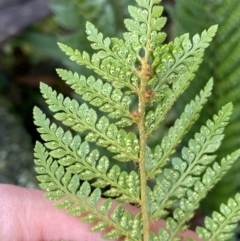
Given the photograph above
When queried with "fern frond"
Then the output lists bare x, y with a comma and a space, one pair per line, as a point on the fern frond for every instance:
82, 118
222, 224
174, 183
77, 158
177, 131
101, 95
79, 200
139, 72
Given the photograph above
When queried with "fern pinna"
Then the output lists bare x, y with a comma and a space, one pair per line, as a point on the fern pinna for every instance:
161, 185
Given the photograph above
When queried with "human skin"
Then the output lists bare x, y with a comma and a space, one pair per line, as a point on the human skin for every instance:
25, 215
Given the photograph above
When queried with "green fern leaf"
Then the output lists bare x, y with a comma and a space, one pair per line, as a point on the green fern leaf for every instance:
104, 68
104, 45
143, 23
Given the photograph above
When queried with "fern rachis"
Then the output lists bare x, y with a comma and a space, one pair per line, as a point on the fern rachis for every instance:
141, 66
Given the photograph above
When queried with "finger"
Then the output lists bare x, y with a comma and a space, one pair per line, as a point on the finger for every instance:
27, 216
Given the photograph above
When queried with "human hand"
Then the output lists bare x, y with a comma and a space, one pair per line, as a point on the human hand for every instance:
25, 215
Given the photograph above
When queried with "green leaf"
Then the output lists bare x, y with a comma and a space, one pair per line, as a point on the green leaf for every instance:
113, 234
106, 206
144, 22
66, 204
100, 226
84, 190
